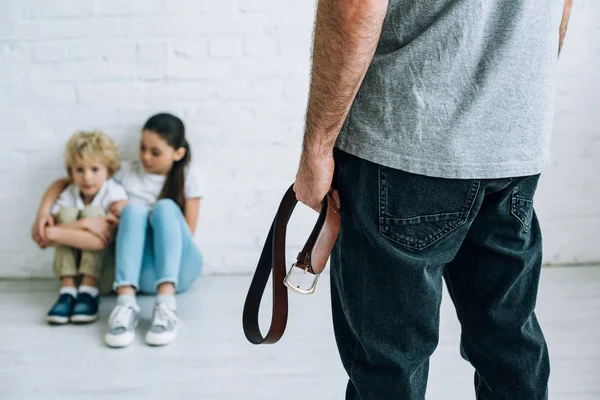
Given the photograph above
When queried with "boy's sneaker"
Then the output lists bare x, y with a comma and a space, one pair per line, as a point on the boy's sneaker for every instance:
164, 326
121, 325
61, 311
85, 309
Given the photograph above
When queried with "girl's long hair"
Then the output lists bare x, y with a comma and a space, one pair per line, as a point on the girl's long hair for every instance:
172, 130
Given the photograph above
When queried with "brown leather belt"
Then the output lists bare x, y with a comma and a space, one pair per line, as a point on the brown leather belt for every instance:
312, 260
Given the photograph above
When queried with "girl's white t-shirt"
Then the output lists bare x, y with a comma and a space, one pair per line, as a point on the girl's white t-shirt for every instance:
110, 192
143, 187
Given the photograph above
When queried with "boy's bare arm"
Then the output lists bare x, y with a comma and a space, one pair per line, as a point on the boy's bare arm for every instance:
78, 238
43, 218
79, 224
101, 227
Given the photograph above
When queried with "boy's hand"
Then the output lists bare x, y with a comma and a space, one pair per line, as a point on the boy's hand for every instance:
100, 227
38, 230
112, 218
117, 207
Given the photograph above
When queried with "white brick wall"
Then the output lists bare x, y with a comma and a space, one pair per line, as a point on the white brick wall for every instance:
237, 72
569, 195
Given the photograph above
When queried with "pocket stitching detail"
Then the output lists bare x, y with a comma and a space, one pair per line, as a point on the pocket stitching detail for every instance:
386, 221
516, 210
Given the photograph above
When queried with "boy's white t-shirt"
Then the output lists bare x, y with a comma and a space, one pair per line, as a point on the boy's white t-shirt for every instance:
110, 192
143, 187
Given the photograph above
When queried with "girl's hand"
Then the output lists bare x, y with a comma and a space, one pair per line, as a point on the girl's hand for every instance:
38, 230
100, 227
117, 207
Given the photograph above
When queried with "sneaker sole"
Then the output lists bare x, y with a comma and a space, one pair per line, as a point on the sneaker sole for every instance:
56, 320
119, 341
122, 340
160, 339
83, 319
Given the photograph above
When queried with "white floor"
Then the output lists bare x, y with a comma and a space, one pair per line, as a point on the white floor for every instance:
212, 360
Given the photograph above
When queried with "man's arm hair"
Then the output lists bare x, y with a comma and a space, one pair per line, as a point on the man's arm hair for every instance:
564, 23
346, 35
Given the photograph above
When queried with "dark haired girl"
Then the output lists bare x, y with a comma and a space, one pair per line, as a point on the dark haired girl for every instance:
155, 249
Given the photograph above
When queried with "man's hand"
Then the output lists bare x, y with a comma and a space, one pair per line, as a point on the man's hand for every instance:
117, 207
345, 39
313, 180
38, 230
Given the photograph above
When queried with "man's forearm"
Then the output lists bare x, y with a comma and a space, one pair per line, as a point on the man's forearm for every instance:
564, 23
346, 35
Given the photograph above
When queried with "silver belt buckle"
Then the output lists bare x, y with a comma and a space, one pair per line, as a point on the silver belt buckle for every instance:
297, 287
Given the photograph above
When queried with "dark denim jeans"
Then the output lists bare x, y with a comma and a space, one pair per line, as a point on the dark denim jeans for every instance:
401, 236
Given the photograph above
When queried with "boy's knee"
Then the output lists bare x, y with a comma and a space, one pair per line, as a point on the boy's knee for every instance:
67, 215
92, 212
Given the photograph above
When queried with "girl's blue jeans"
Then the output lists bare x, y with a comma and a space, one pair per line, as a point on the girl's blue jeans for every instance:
155, 246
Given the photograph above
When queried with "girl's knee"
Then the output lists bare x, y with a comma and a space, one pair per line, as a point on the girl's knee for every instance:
134, 210
165, 205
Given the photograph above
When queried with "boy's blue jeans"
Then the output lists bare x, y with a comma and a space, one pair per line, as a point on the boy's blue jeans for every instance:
155, 246
401, 236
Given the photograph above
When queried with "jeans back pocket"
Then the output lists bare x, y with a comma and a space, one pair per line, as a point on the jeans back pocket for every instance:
522, 209
416, 211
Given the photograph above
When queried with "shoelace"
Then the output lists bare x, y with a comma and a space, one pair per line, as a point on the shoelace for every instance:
120, 316
163, 315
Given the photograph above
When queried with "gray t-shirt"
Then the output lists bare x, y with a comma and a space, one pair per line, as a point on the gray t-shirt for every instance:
459, 89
